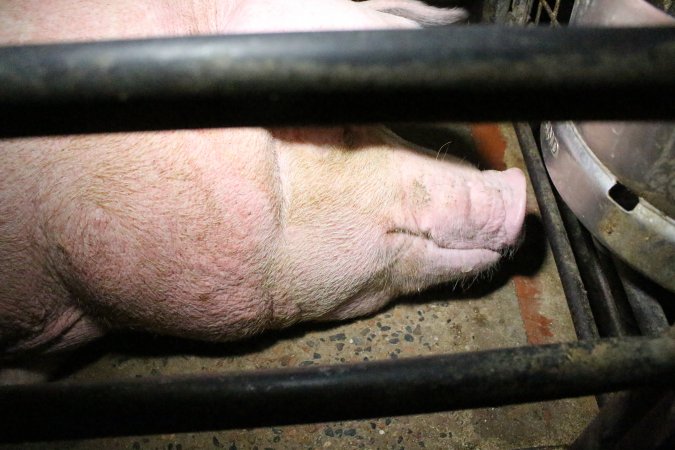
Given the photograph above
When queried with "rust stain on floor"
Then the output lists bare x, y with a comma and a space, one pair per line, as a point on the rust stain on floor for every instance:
537, 325
490, 145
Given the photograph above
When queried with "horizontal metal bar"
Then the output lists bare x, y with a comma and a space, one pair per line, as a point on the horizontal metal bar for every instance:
464, 73
314, 394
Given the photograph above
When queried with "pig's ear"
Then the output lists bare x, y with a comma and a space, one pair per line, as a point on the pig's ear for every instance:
424, 15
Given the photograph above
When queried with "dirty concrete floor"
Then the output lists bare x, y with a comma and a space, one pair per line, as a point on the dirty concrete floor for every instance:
521, 304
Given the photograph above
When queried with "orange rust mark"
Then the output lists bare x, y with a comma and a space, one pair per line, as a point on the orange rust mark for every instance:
537, 326
490, 145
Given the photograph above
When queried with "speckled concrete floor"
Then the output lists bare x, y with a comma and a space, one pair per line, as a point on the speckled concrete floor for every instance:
522, 303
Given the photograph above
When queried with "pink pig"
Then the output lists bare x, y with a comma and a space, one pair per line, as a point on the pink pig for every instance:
220, 234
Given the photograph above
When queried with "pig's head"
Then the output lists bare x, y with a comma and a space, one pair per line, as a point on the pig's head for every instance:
220, 234
366, 221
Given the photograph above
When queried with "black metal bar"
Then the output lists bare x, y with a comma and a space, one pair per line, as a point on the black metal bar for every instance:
655, 429
466, 73
641, 419
643, 297
314, 394
570, 278
606, 297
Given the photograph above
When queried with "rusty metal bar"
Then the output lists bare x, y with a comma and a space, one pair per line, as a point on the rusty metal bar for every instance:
474, 73
315, 394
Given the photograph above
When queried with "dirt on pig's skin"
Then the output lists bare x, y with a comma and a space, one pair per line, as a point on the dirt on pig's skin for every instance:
221, 234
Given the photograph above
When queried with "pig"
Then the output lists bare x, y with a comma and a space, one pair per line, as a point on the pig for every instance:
221, 234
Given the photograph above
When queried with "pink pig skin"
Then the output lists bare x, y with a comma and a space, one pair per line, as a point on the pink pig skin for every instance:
221, 234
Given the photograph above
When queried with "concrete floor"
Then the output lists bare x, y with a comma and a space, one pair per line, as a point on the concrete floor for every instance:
521, 304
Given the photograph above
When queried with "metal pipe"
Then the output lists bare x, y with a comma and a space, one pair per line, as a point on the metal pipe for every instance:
612, 313
644, 298
352, 391
576, 296
470, 73
643, 418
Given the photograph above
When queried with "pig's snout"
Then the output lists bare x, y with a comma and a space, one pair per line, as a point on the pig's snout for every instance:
491, 211
456, 220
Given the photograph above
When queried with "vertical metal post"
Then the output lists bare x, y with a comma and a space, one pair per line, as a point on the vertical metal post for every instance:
643, 298
575, 293
610, 309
